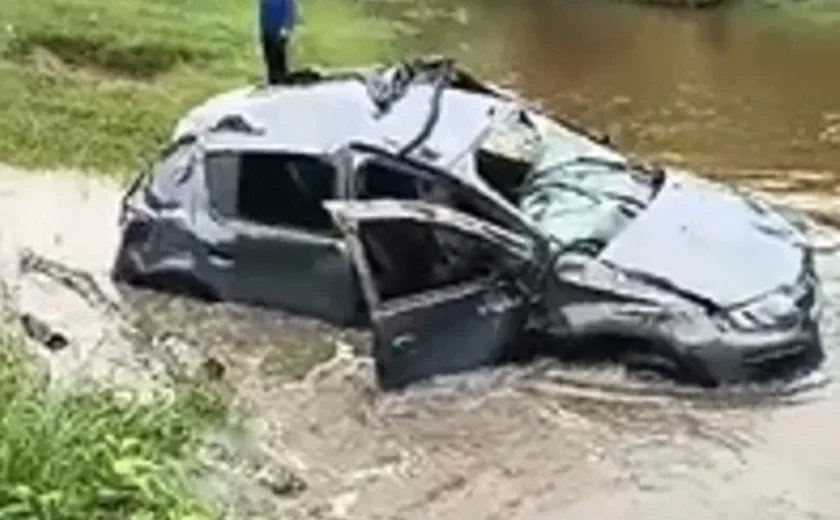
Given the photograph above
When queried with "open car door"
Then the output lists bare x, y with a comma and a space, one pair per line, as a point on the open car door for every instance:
442, 286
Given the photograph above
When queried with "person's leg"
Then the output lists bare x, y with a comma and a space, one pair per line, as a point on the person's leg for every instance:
267, 51
274, 55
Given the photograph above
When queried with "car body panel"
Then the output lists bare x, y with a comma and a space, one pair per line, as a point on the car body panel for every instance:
295, 270
455, 329
278, 265
440, 330
707, 242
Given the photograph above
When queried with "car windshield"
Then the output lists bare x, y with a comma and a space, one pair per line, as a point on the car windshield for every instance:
581, 190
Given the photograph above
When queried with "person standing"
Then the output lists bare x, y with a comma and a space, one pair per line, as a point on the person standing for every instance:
277, 19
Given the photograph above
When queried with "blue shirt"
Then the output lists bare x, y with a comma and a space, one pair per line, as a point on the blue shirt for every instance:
276, 17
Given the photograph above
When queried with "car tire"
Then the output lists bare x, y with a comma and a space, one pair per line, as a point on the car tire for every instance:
662, 365
653, 367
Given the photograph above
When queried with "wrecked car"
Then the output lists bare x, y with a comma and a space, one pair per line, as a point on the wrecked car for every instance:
466, 228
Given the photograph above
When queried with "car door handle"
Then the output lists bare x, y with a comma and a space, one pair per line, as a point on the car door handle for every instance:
403, 340
219, 255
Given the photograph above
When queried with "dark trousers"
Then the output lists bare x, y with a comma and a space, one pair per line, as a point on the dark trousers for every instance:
274, 55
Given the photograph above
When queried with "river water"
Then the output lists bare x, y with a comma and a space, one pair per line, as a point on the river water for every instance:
734, 94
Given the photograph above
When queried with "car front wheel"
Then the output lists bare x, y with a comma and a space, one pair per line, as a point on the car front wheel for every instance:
658, 366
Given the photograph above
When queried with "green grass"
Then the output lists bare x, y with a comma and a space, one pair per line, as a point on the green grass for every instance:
97, 454
98, 84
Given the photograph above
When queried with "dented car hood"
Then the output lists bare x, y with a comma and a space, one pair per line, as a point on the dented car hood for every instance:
709, 241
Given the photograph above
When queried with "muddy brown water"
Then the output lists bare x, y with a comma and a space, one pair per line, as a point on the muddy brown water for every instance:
735, 96
736, 92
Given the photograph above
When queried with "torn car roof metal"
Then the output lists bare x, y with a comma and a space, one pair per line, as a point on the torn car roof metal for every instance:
292, 117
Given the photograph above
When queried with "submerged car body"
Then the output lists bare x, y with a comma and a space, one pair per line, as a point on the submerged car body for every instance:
466, 228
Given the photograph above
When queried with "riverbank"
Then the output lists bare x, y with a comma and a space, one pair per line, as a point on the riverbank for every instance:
97, 85
93, 454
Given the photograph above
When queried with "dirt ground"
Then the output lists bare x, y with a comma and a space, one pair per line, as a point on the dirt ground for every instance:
507, 444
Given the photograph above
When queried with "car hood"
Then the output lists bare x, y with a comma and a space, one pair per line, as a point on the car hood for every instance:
707, 240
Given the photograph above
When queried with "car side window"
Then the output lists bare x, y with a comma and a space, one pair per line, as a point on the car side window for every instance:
274, 189
377, 180
407, 257
380, 180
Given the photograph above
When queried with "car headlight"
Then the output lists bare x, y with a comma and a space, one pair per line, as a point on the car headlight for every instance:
778, 309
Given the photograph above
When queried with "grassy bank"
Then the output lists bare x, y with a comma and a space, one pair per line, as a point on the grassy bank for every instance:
96, 85
94, 454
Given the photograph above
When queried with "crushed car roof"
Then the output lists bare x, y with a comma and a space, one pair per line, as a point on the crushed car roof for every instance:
321, 117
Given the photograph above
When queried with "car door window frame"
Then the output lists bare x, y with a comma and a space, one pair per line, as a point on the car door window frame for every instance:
230, 210
354, 182
488, 211
425, 213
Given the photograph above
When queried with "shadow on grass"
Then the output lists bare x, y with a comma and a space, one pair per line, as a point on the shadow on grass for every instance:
137, 60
